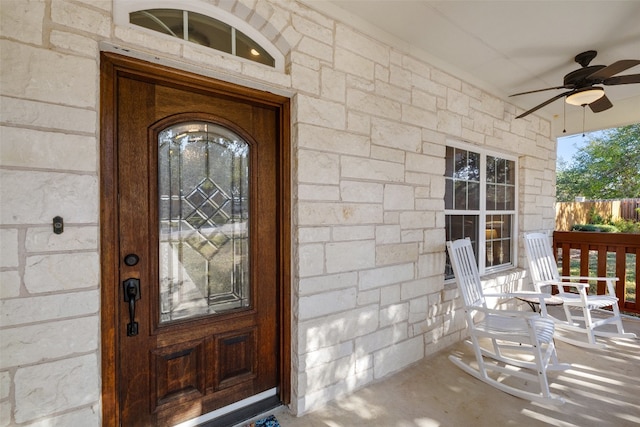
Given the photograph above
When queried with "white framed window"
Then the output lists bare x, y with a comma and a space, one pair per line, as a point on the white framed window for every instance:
480, 203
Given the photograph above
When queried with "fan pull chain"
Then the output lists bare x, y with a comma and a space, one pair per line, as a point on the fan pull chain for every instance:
583, 115
564, 116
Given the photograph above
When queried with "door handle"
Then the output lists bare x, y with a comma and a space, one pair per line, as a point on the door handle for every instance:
131, 289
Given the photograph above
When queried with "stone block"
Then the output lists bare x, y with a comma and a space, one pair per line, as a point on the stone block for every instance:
22, 20
362, 232
330, 140
390, 295
28, 148
41, 239
332, 84
81, 18
313, 28
394, 315
85, 417
315, 48
318, 167
316, 213
5, 384
368, 169
399, 197
398, 356
37, 114
386, 234
36, 197
9, 284
389, 154
325, 355
314, 234
305, 79
74, 43
363, 192
61, 272
397, 135
337, 328
361, 44
380, 339
391, 91
16, 311
328, 282
350, 256
450, 123
311, 260
27, 74
9, 248
319, 192
396, 253
353, 64
383, 276
31, 344
373, 104
48, 388
422, 219
322, 113
326, 303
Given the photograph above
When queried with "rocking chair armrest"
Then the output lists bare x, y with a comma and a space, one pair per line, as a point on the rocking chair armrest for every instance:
578, 285
506, 313
522, 294
588, 278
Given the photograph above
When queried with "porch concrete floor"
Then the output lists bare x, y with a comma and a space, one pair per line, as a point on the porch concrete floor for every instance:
601, 389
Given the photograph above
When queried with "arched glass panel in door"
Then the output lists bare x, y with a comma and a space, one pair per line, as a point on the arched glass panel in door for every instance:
203, 185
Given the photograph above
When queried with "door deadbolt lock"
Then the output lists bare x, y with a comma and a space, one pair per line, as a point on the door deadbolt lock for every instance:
131, 259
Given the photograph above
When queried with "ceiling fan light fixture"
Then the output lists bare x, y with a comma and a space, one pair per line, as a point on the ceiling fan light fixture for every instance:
585, 96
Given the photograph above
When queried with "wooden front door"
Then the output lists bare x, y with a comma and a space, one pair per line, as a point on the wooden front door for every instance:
194, 244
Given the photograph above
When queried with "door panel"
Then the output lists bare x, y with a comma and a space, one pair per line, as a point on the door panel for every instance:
217, 344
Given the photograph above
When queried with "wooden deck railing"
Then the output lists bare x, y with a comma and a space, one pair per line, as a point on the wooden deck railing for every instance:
603, 254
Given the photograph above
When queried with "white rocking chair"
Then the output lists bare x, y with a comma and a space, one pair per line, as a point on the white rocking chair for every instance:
521, 343
577, 305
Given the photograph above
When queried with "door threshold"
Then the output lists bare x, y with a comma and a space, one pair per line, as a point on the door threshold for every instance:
237, 412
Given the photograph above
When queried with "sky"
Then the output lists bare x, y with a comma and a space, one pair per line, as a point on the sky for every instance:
569, 145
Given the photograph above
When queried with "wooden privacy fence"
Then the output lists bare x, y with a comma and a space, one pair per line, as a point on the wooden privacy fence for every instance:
570, 213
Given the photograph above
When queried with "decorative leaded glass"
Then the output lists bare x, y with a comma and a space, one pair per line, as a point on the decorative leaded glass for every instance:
203, 185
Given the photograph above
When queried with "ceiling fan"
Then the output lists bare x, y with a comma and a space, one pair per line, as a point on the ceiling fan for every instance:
581, 83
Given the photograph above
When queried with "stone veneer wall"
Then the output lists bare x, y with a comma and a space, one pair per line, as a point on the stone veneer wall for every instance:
370, 124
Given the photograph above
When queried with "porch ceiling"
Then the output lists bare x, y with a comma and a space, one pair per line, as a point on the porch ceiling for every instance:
507, 47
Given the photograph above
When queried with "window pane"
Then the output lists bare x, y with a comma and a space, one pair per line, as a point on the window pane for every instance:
460, 164
460, 188
203, 180
491, 197
448, 193
473, 201
167, 21
509, 203
209, 32
498, 240
460, 227
474, 166
449, 162
510, 172
491, 169
248, 49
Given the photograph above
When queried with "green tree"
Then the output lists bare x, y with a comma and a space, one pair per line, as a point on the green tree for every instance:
607, 167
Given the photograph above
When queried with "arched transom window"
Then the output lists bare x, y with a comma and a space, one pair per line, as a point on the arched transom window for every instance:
204, 30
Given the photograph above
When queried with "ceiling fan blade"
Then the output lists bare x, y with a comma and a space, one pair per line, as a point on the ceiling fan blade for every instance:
613, 69
622, 80
547, 102
600, 104
542, 90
